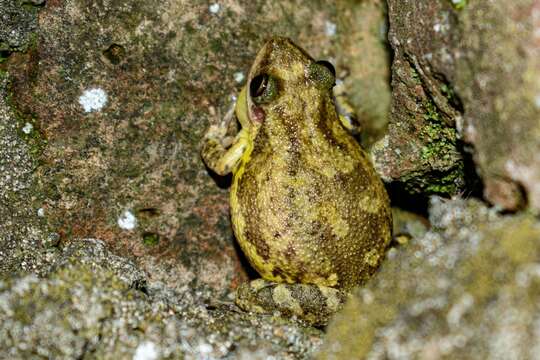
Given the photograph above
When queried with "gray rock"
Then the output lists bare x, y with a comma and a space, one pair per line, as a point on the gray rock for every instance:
91, 305
19, 23
24, 241
468, 289
498, 81
421, 151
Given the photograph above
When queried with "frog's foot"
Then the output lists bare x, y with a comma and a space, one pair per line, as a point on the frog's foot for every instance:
346, 112
219, 151
311, 303
221, 131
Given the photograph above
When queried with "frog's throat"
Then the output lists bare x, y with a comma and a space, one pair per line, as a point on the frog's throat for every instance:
241, 109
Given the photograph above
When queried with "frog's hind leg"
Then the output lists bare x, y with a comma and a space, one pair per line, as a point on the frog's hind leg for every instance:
346, 112
312, 303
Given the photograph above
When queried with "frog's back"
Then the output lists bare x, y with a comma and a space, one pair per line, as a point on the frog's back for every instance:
307, 206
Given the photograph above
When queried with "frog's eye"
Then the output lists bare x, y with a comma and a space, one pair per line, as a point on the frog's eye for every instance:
322, 73
328, 65
263, 88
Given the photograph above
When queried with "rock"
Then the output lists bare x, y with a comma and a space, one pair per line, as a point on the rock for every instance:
465, 81
121, 92
24, 240
421, 151
498, 81
469, 288
365, 55
19, 24
94, 254
91, 304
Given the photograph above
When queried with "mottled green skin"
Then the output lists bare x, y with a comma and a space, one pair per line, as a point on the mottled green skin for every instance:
307, 205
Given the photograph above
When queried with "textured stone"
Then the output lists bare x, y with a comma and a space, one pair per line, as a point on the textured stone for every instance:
121, 92
465, 81
365, 62
421, 151
498, 80
19, 22
469, 288
94, 304
25, 243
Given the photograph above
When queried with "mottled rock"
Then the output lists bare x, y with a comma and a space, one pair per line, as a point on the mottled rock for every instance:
19, 23
94, 254
498, 80
364, 59
465, 80
91, 305
25, 243
469, 288
121, 92
421, 151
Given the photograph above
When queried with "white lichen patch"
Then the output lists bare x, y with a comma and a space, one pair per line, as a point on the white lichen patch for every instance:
146, 351
330, 28
93, 99
239, 77
27, 128
41, 212
214, 8
127, 221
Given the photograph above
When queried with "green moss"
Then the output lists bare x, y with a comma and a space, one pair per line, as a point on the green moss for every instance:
439, 139
447, 184
150, 239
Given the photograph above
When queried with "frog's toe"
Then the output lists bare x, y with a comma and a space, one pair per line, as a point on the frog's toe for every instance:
311, 303
216, 132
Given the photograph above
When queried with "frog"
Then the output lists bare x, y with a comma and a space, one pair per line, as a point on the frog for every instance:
308, 210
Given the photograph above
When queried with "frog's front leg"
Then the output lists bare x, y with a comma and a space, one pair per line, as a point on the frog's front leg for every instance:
311, 303
219, 152
346, 112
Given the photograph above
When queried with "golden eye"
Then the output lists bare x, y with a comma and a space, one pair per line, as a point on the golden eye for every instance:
328, 65
263, 88
258, 85
323, 74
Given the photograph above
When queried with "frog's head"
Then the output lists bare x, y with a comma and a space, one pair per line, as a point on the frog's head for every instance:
284, 80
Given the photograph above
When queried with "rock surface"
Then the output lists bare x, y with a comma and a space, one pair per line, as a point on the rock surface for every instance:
121, 93
465, 81
498, 81
469, 288
25, 243
94, 304
102, 105
19, 23
421, 151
